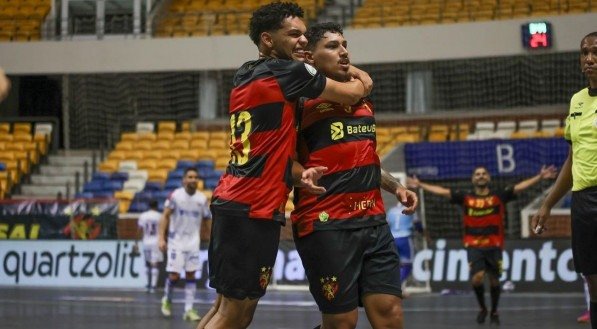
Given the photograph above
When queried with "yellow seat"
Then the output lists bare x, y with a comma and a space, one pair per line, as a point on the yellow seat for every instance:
109, 165
190, 154
171, 154
117, 155
165, 136
4, 128
154, 154
200, 135
166, 127
199, 144
144, 145
180, 145
6, 137
157, 175
146, 137
162, 145
133, 137
125, 145
166, 164
183, 135
21, 127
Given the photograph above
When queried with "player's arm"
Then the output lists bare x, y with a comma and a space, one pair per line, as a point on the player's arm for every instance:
408, 198
163, 228
363, 76
349, 92
414, 182
544, 173
561, 187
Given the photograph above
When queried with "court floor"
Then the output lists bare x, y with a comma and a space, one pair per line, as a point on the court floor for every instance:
50, 308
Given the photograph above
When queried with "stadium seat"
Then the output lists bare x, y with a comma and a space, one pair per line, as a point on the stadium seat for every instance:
166, 127
109, 165
127, 166
21, 128
133, 137
143, 128
4, 128
505, 129
191, 154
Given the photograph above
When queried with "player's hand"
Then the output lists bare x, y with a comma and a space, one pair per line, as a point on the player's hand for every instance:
408, 198
362, 76
310, 177
539, 220
162, 245
413, 182
548, 172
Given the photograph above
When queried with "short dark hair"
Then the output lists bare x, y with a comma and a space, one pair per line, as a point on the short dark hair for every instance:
186, 171
153, 204
270, 17
590, 35
316, 31
479, 167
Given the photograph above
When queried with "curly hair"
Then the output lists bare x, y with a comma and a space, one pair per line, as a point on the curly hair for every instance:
315, 32
270, 17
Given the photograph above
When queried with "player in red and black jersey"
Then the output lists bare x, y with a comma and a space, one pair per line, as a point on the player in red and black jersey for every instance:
342, 235
483, 236
247, 201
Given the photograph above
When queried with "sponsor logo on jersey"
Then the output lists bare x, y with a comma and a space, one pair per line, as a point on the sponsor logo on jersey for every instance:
337, 130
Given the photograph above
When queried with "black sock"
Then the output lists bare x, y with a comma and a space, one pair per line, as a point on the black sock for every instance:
593, 315
480, 293
318, 327
495, 298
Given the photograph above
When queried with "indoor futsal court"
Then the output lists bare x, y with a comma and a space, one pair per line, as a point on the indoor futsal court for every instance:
22, 308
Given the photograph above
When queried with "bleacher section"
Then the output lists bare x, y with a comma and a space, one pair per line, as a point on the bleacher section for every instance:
21, 20
21, 148
184, 18
383, 13
148, 165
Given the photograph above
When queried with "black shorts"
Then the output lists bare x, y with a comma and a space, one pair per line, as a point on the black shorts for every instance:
242, 253
485, 259
344, 265
584, 230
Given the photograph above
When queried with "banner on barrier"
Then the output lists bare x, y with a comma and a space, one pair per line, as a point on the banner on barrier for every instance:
531, 265
77, 220
502, 157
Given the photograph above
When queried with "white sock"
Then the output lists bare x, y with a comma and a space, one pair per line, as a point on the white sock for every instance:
189, 294
155, 272
168, 287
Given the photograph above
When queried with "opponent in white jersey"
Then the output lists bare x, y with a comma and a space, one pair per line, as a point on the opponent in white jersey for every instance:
148, 228
183, 212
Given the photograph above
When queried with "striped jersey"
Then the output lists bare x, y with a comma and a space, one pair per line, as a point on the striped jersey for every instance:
263, 136
341, 138
484, 217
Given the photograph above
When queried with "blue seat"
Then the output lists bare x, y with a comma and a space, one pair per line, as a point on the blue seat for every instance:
176, 174
152, 186
101, 176
119, 176
205, 164
211, 183
2, 166
162, 195
84, 195
215, 174
144, 196
172, 184
138, 206
113, 185
184, 164
103, 194
93, 186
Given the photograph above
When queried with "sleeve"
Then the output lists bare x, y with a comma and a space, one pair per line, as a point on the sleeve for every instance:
141, 221
457, 197
297, 79
507, 194
206, 212
170, 202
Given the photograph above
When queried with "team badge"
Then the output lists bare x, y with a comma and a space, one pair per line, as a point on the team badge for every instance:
329, 287
265, 276
337, 130
323, 216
